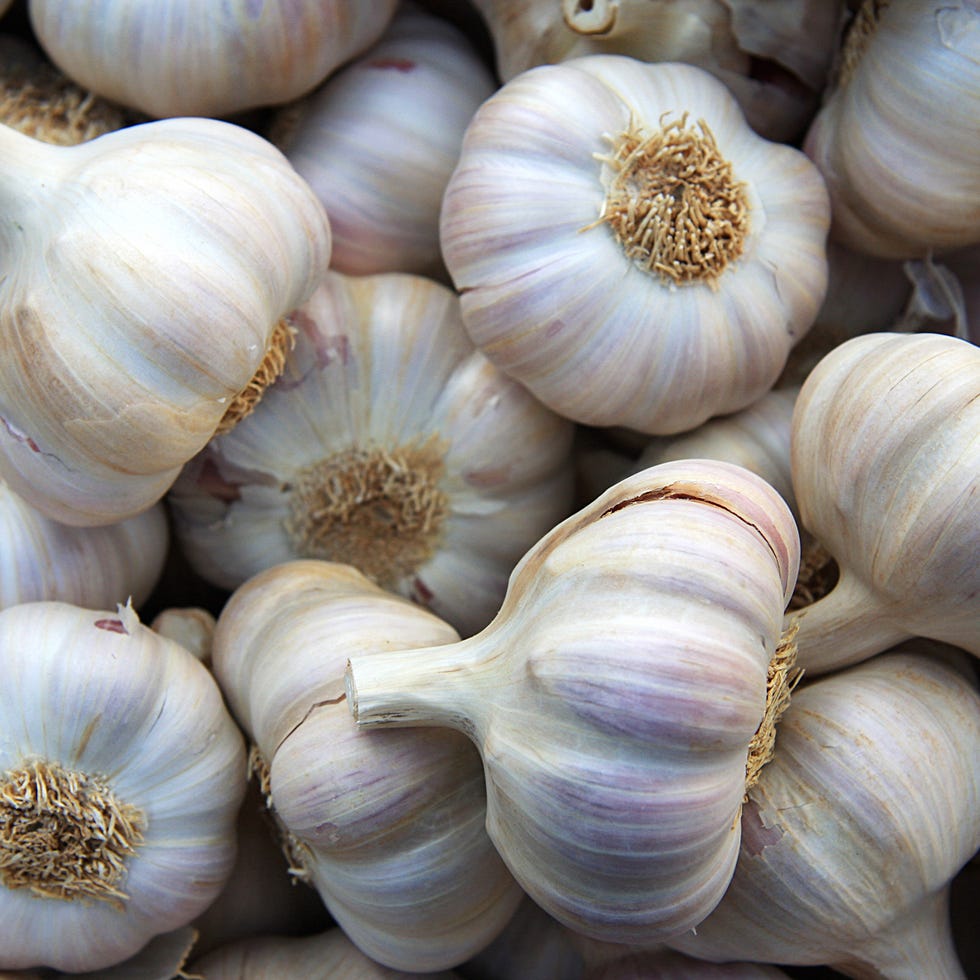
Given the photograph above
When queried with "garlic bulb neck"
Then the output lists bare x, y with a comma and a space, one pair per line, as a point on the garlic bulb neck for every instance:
64, 834
674, 203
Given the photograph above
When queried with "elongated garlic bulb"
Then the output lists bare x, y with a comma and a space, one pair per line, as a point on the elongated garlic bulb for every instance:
390, 829
380, 138
192, 58
885, 461
628, 248
617, 697
870, 806
147, 273
390, 444
326, 954
121, 773
897, 137
773, 56
95, 567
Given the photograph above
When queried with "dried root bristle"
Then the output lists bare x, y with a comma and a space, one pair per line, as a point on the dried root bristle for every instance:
818, 574
63, 834
44, 104
782, 676
859, 33
378, 510
273, 364
673, 202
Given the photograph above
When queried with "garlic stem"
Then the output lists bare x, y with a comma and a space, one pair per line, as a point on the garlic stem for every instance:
22, 173
846, 626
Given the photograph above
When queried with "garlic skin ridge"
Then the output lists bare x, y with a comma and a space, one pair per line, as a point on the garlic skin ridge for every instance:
152, 266
97, 693
378, 141
614, 696
387, 826
190, 58
389, 443
549, 291
885, 457
870, 806
95, 567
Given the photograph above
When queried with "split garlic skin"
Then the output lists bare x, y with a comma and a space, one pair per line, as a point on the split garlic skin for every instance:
192, 58
149, 270
870, 806
105, 724
389, 443
390, 829
615, 696
95, 567
885, 462
565, 227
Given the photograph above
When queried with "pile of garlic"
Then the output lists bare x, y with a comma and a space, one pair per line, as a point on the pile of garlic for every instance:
489, 490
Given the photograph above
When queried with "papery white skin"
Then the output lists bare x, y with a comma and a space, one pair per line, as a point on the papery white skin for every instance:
95, 567
793, 40
898, 142
388, 826
379, 139
870, 806
190, 626
325, 954
886, 463
561, 309
384, 361
147, 271
614, 696
100, 693
191, 58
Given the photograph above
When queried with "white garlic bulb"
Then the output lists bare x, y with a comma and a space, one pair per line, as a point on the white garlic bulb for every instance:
388, 443
95, 567
774, 57
628, 248
897, 137
870, 806
620, 696
378, 141
390, 829
147, 273
121, 773
192, 58
885, 463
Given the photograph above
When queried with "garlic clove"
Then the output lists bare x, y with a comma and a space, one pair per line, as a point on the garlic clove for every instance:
390, 829
565, 289
152, 267
188, 58
615, 695
104, 723
190, 626
884, 462
390, 444
870, 806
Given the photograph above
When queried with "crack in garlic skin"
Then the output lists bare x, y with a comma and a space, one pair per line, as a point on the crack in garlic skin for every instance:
64, 835
377, 509
674, 203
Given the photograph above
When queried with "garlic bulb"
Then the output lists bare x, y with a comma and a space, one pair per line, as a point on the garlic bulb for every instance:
885, 461
617, 697
897, 137
388, 827
148, 270
390, 444
379, 140
116, 745
849, 840
191, 58
627, 248
95, 567
774, 57
36, 99
328, 954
